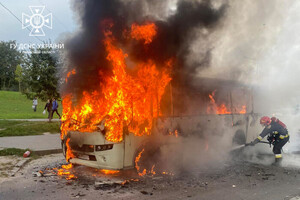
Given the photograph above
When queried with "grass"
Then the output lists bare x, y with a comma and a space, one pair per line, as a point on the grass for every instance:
6, 124
13, 152
22, 128
17, 152
14, 105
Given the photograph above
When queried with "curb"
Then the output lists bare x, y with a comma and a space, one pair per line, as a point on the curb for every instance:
19, 166
24, 161
46, 152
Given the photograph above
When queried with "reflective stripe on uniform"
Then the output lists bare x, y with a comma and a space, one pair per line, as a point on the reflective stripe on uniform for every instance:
278, 156
259, 137
275, 132
284, 136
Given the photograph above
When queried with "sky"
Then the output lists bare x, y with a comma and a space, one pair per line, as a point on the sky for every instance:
258, 41
11, 29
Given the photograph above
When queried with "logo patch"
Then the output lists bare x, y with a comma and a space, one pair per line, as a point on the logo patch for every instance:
37, 21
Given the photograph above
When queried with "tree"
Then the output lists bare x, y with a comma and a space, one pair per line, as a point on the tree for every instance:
10, 58
19, 75
40, 72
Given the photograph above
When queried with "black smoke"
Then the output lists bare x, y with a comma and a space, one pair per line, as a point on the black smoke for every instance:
86, 53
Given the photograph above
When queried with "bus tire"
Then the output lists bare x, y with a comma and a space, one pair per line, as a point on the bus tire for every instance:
239, 137
149, 157
64, 147
64, 151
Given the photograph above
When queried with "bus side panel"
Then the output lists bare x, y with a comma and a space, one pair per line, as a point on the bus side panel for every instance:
132, 145
202, 125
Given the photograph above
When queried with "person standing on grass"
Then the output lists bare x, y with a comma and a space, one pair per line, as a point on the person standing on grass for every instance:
48, 107
34, 104
54, 108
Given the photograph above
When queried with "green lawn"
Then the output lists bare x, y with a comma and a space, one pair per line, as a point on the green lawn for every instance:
14, 105
17, 152
21, 128
13, 152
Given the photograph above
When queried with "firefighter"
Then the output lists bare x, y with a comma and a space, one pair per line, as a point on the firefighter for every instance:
278, 135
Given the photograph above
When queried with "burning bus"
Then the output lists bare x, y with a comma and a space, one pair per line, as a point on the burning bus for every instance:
180, 111
127, 90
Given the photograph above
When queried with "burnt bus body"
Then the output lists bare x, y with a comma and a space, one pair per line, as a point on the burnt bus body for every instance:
183, 109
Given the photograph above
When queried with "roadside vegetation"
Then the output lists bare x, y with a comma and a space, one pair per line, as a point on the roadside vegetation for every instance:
13, 152
32, 74
14, 105
17, 152
23, 128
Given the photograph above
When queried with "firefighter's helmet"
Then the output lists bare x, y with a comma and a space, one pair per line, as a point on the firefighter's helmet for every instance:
265, 120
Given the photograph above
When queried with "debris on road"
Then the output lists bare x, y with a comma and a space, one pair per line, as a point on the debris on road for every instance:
108, 184
19, 166
146, 193
26, 154
36, 174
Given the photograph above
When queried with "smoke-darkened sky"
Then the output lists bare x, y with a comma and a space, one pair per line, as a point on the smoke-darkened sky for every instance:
175, 34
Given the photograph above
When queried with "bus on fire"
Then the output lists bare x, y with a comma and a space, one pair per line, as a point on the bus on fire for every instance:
183, 111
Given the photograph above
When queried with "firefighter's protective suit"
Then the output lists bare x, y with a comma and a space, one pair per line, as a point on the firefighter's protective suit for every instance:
278, 136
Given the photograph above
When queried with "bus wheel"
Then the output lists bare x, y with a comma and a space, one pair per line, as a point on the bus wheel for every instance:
239, 137
64, 151
146, 157
64, 147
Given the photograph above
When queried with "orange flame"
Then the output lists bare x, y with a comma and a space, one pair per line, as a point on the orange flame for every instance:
137, 159
65, 171
71, 176
69, 153
244, 110
69, 166
126, 101
143, 32
222, 109
175, 133
213, 108
109, 172
69, 74
152, 170
144, 172
168, 173
211, 97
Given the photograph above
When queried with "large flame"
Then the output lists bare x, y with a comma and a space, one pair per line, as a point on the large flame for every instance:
127, 101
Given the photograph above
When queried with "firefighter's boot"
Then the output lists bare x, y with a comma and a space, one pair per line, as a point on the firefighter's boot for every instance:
277, 162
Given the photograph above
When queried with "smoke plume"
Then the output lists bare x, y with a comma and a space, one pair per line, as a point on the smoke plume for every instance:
177, 24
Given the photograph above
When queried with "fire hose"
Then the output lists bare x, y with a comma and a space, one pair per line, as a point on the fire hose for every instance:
264, 142
247, 144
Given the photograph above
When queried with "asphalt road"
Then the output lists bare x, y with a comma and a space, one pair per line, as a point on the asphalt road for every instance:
234, 179
33, 142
